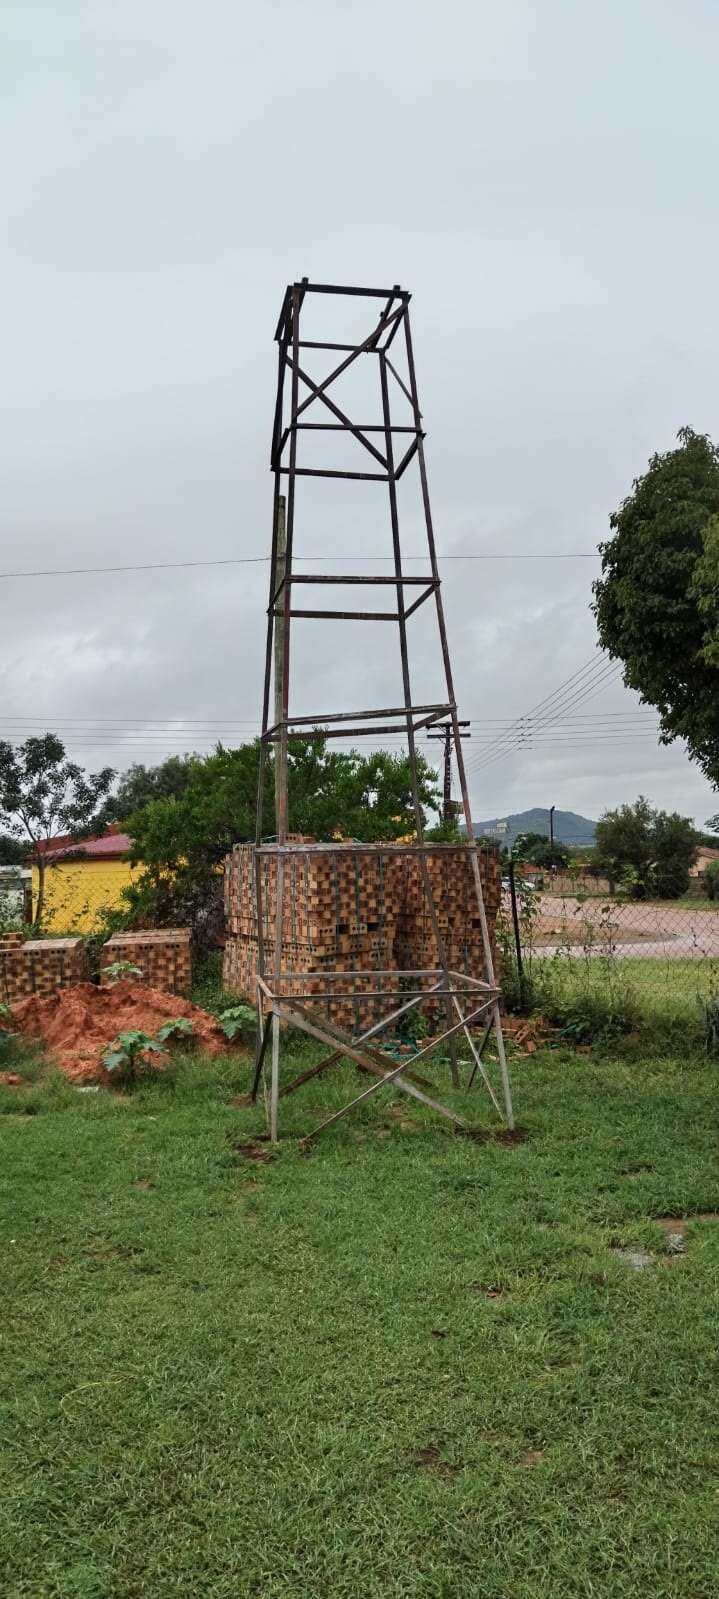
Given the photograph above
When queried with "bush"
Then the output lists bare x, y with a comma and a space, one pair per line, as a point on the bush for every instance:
711, 880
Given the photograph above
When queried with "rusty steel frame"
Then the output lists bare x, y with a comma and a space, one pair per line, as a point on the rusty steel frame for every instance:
275, 1004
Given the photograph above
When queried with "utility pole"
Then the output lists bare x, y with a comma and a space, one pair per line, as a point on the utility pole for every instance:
445, 731
279, 644
552, 809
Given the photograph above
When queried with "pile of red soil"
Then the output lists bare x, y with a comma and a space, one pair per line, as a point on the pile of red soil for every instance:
77, 1024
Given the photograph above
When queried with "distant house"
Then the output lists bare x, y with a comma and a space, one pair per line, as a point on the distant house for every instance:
82, 878
703, 857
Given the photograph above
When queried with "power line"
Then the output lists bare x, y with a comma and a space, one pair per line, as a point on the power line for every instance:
179, 724
517, 727
588, 680
263, 560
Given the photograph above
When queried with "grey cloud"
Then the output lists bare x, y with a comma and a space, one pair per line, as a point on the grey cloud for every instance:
540, 178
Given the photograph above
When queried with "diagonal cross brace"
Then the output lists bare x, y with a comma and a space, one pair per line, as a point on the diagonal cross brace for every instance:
298, 1018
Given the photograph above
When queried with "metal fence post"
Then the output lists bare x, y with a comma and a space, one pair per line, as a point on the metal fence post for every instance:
517, 935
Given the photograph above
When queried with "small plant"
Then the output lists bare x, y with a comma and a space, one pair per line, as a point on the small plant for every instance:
178, 1030
118, 970
236, 1020
6, 1033
126, 1056
709, 1012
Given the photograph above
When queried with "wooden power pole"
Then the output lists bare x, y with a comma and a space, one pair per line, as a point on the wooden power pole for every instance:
445, 731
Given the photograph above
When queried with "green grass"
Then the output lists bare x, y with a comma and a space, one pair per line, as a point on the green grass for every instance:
660, 998
404, 1364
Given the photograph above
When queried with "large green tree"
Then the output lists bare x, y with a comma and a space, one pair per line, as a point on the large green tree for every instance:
651, 850
181, 840
140, 784
12, 850
657, 601
42, 795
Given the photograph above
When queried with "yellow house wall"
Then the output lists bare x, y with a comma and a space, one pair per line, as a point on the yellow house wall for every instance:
76, 892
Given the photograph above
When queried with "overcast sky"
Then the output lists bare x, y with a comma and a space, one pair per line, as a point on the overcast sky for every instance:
542, 178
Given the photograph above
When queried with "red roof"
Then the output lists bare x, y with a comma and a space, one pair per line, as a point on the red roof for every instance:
108, 846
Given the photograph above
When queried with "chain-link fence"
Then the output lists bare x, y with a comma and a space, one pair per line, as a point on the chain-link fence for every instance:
596, 959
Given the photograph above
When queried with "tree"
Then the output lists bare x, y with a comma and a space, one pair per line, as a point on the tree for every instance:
657, 601
653, 849
12, 850
181, 841
539, 850
140, 784
42, 795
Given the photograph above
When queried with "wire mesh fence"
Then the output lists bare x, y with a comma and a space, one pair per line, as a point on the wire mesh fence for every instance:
602, 959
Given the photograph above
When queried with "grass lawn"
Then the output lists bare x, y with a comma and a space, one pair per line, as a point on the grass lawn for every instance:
407, 1363
664, 994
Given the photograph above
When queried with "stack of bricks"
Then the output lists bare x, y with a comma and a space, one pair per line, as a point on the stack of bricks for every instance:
346, 911
451, 877
39, 966
163, 957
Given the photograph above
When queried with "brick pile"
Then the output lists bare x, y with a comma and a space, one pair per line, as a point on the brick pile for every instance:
344, 911
39, 966
163, 957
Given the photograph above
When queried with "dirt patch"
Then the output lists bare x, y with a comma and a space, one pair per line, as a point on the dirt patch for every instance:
99, 1249
430, 1459
144, 1183
11, 1079
531, 1457
406, 1123
507, 1137
638, 1259
675, 1232
490, 1291
254, 1150
77, 1024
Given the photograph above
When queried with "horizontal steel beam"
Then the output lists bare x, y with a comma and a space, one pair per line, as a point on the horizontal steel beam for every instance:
346, 577
362, 716
311, 471
363, 294
346, 616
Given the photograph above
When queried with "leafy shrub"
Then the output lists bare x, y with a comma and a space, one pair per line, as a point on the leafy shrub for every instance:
711, 880
587, 1013
117, 971
709, 1014
126, 1056
179, 1029
238, 1020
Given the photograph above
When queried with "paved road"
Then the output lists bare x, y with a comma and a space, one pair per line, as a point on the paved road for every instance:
664, 931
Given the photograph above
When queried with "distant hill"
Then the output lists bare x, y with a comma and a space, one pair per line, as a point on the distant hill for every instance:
569, 828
